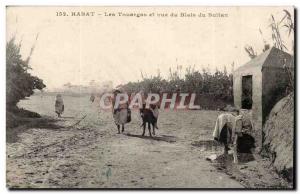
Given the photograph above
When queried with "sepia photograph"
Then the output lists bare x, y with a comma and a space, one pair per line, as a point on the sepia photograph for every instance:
150, 97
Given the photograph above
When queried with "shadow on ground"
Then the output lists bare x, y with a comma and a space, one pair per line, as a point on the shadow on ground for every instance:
165, 138
244, 156
18, 123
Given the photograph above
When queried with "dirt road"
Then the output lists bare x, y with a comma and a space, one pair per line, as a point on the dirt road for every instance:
90, 154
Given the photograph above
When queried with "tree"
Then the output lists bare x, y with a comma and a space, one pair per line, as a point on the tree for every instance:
19, 82
286, 22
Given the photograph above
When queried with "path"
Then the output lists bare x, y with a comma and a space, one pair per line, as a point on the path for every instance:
92, 155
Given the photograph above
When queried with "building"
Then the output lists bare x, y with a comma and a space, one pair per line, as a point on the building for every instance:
260, 84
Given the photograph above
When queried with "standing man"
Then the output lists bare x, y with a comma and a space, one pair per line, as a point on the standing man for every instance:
59, 105
121, 112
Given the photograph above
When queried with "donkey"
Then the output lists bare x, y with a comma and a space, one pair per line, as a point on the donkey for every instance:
148, 117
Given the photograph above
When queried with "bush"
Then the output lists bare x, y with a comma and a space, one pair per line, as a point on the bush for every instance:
19, 82
209, 87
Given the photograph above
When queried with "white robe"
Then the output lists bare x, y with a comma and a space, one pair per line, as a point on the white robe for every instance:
120, 116
233, 122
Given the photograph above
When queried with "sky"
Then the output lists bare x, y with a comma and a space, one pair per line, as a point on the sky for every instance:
78, 49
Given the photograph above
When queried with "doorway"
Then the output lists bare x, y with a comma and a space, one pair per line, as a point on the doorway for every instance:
247, 92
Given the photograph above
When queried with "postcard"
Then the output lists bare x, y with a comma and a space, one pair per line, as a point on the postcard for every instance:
158, 97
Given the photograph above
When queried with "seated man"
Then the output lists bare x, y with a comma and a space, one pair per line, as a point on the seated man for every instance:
228, 127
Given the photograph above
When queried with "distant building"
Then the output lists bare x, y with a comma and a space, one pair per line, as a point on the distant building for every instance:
75, 89
260, 84
92, 88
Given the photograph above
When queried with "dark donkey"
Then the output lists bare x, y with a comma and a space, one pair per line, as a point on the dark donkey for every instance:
148, 117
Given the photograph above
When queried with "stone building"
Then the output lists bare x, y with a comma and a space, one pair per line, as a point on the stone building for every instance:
259, 84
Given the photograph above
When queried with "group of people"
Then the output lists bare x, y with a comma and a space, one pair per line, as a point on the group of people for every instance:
121, 112
228, 127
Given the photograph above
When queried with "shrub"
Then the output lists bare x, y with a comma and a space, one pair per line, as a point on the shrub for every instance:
213, 86
19, 82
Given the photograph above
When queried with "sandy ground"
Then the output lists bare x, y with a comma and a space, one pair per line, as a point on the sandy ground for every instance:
91, 154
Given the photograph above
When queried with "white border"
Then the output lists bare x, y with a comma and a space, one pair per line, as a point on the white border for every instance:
3, 4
